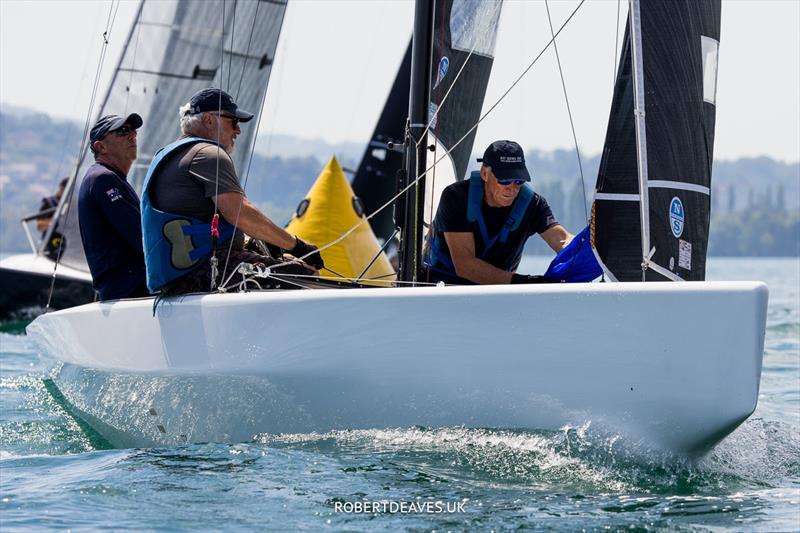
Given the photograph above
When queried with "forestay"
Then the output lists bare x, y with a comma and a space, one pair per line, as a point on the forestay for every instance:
667, 82
175, 48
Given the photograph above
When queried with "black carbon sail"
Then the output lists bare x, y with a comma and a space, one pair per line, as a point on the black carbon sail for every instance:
451, 59
175, 48
464, 36
374, 181
652, 202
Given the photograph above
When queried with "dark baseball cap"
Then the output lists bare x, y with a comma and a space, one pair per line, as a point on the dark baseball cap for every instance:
211, 99
507, 160
110, 123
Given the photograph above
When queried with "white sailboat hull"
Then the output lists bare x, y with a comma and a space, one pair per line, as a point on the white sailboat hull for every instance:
676, 365
26, 283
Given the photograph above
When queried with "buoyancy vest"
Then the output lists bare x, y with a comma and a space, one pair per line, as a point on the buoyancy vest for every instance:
437, 259
174, 245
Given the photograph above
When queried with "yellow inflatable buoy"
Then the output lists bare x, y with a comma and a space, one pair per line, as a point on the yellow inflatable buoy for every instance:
328, 211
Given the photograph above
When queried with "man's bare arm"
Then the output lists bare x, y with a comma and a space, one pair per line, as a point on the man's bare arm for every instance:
462, 252
557, 237
252, 221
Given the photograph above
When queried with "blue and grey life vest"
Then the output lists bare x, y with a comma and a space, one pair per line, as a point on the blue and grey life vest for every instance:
438, 259
174, 245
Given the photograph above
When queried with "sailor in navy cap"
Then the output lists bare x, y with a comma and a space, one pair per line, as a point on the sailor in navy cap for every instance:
108, 210
194, 210
482, 223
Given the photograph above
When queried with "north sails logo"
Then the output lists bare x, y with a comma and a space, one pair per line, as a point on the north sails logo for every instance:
676, 217
511, 159
444, 64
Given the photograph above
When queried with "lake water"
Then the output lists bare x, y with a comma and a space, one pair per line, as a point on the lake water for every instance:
56, 475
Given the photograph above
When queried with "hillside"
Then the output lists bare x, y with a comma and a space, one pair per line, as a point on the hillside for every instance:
755, 201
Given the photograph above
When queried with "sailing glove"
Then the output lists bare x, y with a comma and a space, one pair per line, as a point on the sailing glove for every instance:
518, 279
302, 248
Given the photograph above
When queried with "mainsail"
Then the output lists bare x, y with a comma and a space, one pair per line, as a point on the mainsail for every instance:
374, 181
175, 48
451, 59
464, 37
659, 145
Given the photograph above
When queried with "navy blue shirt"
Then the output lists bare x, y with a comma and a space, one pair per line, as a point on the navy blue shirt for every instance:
111, 231
451, 216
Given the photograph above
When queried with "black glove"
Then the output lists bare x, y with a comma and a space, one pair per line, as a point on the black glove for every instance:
302, 248
517, 279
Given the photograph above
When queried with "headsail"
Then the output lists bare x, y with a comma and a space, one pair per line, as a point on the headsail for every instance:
175, 48
669, 58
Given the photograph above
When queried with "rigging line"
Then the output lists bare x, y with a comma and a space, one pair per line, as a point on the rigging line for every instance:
446, 95
569, 112
438, 124
230, 57
68, 194
386, 244
328, 278
213, 259
414, 182
252, 141
133, 63
247, 52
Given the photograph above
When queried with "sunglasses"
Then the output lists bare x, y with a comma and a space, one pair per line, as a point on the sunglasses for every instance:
234, 120
507, 182
124, 131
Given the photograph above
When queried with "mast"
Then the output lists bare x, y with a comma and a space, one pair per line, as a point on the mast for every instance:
412, 212
641, 130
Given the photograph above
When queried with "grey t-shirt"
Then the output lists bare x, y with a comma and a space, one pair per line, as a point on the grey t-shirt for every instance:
189, 179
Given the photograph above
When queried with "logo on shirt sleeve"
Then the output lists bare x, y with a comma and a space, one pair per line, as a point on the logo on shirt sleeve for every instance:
113, 194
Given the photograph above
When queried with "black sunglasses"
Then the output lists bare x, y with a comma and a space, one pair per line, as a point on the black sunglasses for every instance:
124, 131
507, 182
234, 120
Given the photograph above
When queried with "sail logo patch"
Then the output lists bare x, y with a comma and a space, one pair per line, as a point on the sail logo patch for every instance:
444, 64
684, 254
676, 217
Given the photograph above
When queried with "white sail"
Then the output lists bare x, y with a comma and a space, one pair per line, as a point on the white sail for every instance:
175, 48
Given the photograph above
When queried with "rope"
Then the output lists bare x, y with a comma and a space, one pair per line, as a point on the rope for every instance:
569, 112
68, 194
215, 219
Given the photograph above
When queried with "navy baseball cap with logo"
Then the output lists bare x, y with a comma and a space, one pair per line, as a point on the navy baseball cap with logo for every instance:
211, 99
109, 123
507, 160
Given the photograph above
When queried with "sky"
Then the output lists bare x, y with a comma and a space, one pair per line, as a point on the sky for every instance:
337, 59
